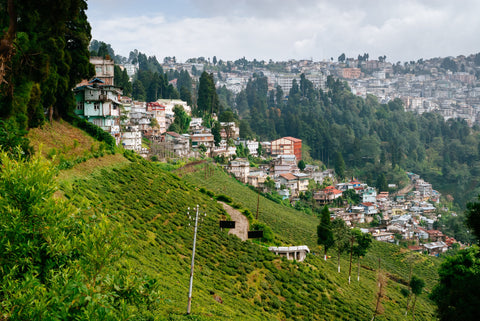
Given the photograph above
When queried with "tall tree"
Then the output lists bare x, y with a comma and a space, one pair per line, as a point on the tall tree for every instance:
473, 218
456, 293
341, 236
364, 241
207, 102
324, 231
216, 128
339, 165
51, 49
416, 284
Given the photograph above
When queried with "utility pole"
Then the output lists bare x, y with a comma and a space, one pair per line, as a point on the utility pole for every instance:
193, 259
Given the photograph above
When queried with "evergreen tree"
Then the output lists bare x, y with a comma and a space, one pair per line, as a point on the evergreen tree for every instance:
339, 165
417, 285
216, 128
51, 49
207, 102
324, 231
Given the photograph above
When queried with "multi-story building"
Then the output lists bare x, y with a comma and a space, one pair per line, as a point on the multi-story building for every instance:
287, 146
99, 104
104, 69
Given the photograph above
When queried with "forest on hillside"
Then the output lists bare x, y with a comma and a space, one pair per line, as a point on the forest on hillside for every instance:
373, 139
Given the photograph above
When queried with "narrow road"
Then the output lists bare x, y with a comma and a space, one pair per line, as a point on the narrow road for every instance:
241, 222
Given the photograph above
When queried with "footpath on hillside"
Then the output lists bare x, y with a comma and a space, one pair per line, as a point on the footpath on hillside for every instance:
405, 190
241, 222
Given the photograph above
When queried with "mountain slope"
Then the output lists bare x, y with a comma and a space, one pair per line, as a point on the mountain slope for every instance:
233, 279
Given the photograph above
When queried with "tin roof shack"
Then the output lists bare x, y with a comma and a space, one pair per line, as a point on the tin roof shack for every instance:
298, 253
172, 145
436, 248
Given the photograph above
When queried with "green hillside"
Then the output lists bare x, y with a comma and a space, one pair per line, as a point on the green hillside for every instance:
233, 279
295, 227
116, 243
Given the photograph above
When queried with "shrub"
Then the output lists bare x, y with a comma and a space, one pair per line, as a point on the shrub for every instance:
224, 198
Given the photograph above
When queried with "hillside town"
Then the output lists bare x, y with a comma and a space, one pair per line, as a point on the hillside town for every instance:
407, 215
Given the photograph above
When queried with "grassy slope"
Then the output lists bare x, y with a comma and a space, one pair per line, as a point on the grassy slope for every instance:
250, 282
291, 226
296, 227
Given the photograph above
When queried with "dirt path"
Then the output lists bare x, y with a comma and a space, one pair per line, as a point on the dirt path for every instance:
241, 222
405, 190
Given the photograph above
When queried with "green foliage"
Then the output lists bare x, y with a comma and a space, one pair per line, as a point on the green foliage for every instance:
301, 165
324, 230
181, 122
456, 294
12, 138
224, 198
122, 80
339, 165
59, 261
207, 102
268, 236
216, 128
473, 218
363, 242
151, 83
94, 131
50, 57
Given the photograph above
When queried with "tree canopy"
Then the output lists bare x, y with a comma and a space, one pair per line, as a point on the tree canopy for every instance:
45, 54
324, 231
207, 102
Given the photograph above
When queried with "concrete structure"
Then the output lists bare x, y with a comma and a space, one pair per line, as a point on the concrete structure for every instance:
351, 73
132, 139
99, 104
298, 253
240, 168
287, 146
327, 195
103, 69
157, 111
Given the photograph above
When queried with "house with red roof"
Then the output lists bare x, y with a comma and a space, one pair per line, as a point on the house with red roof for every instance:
327, 195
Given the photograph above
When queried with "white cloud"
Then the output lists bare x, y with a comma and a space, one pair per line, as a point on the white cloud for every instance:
285, 29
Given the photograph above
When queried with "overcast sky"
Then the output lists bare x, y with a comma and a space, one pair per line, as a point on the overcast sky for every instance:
403, 30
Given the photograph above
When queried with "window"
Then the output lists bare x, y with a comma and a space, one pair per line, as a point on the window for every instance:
96, 106
79, 105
